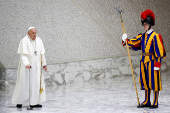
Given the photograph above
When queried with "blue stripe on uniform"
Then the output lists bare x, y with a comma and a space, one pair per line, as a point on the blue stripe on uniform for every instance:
156, 46
141, 80
147, 74
143, 43
152, 74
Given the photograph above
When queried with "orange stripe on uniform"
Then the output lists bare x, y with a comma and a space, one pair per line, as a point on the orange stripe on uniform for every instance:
156, 80
160, 46
150, 82
146, 98
160, 83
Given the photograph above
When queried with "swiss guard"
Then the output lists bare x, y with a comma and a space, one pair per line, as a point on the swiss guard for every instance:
153, 52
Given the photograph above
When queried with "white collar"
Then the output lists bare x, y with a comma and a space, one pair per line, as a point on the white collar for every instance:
148, 32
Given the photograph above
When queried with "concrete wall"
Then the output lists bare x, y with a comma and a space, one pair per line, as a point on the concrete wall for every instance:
2, 72
3, 82
102, 70
82, 38
76, 30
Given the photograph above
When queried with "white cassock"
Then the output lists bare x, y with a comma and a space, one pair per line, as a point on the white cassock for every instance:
26, 49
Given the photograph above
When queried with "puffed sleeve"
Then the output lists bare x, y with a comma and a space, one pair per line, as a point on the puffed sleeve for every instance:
159, 50
135, 43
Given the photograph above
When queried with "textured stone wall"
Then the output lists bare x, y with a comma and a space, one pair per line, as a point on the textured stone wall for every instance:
82, 38
76, 30
102, 70
2, 72
3, 82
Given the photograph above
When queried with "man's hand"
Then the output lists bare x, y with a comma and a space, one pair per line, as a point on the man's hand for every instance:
28, 66
124, 37
45, 67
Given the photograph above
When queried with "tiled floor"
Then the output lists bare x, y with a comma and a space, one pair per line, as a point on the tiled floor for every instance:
105, 96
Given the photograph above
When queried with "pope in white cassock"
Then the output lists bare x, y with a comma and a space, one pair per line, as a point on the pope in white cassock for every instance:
32, 53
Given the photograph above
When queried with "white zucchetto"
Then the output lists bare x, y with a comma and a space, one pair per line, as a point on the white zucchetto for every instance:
30, 28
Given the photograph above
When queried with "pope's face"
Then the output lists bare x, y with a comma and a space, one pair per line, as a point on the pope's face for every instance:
32, 33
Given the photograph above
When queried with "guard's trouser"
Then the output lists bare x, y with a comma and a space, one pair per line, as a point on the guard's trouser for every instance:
147, 98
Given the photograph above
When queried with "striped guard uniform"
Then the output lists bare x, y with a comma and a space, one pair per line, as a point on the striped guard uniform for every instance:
150, 43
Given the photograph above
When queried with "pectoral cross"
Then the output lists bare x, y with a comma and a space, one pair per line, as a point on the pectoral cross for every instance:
35, 52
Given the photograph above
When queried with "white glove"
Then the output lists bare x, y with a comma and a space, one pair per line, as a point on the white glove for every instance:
156, 68
124, 37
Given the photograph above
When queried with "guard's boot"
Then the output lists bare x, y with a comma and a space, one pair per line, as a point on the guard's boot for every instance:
147, 102
155, 101
19, 105
38, 106
32, 106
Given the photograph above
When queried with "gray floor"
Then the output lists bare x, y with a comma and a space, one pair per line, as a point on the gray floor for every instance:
105, 96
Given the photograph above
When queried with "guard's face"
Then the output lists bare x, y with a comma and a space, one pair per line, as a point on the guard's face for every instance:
32, 33
146, 26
